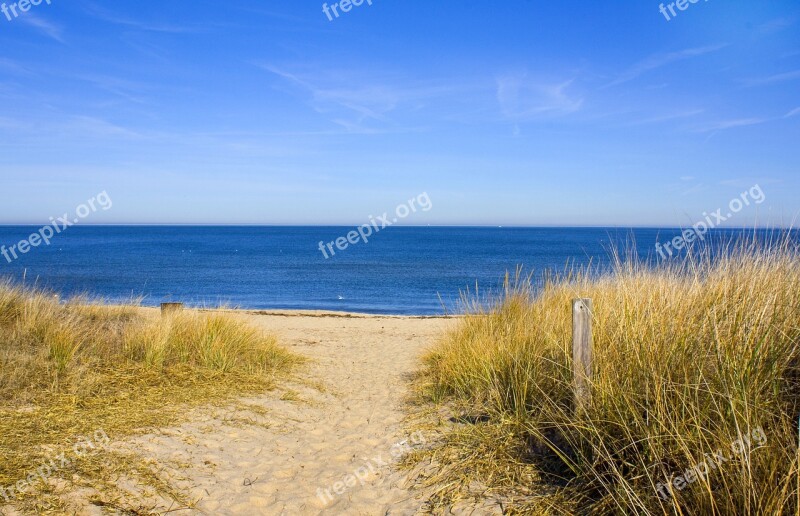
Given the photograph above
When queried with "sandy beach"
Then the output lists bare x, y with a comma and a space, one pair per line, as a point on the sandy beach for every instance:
340, 420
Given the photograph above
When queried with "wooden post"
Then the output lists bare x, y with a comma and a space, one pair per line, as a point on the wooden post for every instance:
168, 308
582, 352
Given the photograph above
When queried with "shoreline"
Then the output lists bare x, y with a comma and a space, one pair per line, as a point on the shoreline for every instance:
323, 313
279, 312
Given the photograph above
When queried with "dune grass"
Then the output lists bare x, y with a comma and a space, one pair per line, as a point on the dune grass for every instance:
73, 368
692, 358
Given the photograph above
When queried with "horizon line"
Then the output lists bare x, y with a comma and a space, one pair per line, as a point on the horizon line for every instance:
498, 226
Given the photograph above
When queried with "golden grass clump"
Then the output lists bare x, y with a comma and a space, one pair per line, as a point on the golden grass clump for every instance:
692, 358
70, 369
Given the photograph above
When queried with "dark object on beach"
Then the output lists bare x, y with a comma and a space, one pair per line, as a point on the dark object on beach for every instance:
168, 308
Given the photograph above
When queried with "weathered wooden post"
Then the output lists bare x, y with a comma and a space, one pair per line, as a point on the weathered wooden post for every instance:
582, 352
168, 308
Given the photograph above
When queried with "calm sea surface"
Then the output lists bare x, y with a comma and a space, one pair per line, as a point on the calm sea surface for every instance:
402, 270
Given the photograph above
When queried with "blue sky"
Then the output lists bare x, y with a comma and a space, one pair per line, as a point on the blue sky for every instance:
517, 112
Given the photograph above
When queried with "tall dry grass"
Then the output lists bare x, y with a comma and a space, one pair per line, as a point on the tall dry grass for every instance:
69, 369
690, 357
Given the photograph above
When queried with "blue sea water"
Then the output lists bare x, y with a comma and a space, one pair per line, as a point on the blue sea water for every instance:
401, 270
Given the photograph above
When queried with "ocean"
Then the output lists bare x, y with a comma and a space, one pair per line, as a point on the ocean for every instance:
400, 270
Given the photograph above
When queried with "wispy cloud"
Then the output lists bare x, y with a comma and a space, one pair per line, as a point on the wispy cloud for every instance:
129, 90
678, 115
368, 102
351, 100
699, 187
98, 127
687, 185
13, 67
657, 61
110, 17
45, 27
66, 127
731, 124
744, 122
777, 25
521, 98
794, 112
746, 182
273, 14
772, 79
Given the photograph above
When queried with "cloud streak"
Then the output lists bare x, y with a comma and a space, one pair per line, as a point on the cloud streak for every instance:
772, 79
50, 30
523, 99
109, 17
656, 61
351, 102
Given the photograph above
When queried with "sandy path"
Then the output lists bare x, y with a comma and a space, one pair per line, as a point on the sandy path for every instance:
349, 429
